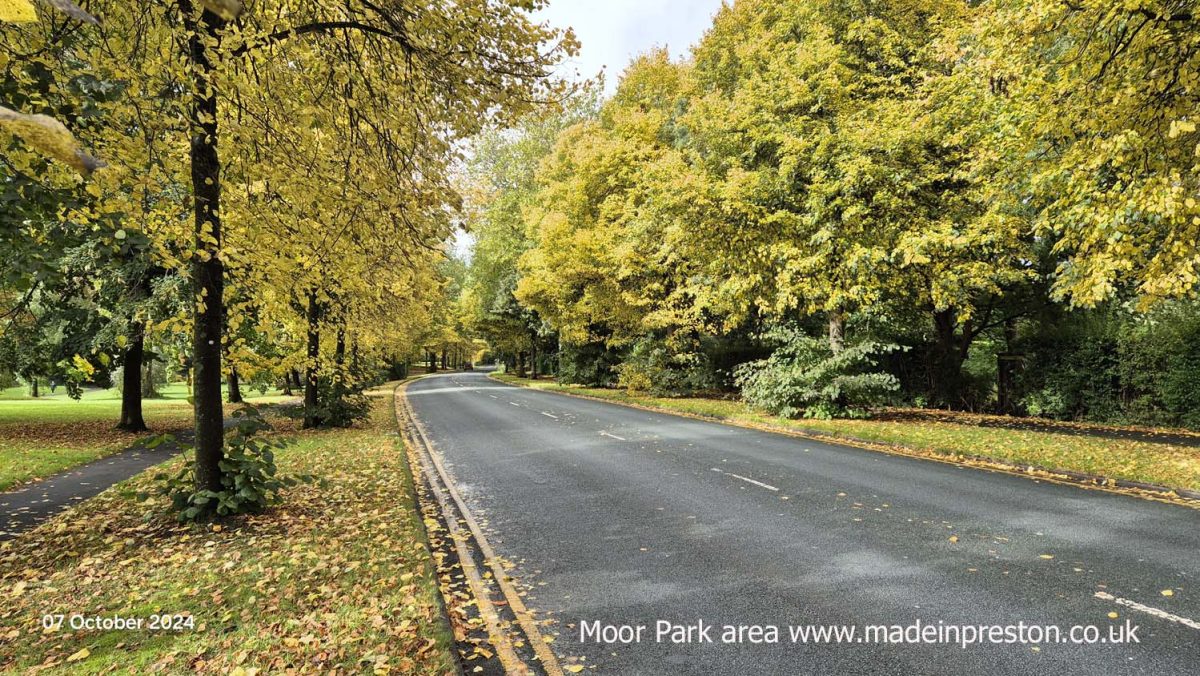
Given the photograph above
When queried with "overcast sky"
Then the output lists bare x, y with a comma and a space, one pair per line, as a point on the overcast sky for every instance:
614, 31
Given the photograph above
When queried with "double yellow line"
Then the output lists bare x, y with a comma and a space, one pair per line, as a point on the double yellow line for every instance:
498, 635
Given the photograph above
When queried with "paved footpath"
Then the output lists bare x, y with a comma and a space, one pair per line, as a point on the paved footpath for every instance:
26, 506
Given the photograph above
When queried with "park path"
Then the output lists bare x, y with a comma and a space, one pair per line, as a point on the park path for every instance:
26, 506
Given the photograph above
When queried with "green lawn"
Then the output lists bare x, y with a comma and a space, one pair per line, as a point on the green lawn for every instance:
336, 579
39, 437
949, 437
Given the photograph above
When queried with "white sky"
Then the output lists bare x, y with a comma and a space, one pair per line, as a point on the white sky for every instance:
612, 32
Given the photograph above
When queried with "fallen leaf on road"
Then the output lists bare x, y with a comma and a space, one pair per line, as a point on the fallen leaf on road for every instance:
1047, 556
954, 538
1168, 592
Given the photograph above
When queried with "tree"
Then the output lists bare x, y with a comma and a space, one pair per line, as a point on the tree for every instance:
1098, 139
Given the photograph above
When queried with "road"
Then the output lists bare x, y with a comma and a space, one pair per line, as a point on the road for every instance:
625, 517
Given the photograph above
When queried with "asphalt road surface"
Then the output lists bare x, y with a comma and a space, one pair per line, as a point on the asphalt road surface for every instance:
617, 516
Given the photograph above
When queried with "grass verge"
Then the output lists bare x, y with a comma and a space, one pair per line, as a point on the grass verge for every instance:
44, 436
336, 579
1142, 460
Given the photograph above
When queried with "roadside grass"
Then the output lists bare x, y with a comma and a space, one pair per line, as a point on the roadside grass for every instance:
1054, 447
43, 436
335, 579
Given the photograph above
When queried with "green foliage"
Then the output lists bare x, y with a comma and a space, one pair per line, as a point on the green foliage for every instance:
591, 364
1111, 365
653, 366
804, 378
339, 405
249, 478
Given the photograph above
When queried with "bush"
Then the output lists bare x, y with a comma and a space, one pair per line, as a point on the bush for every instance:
590, 364
339, 405
652, 366
804, 378
250, 480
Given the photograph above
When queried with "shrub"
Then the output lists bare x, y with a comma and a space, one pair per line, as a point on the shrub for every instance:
249, 478
652, 366
589, 364
340, 405
804, 378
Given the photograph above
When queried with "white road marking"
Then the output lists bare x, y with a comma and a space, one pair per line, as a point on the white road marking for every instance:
493, 396
514, 403
441, 390
549, 415
613, 436
746, 479
1161, 614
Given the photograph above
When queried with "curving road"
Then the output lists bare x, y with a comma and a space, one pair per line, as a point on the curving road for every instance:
614, 516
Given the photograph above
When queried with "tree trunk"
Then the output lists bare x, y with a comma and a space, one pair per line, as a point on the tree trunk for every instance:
35, 392
287, 385
295, 375
520, 364
208, 270
445, 363
533, 365
339, 359
1007, 366
235, 386
131, 381
311, 419
837, 331
148, 388
948, 361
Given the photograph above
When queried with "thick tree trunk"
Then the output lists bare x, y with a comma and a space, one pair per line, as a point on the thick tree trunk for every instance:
295, 375
311, 419
837, 331
131, 381
35, 392
445, 363
235, 386
208, 270
951, 353
520, 364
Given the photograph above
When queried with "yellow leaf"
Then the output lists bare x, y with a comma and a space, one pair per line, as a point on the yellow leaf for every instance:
72, 10
1112, 616
573, 668
1168, 592
1047, 556
81, 655
226, 9
50, 137
954, 538
17, 11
